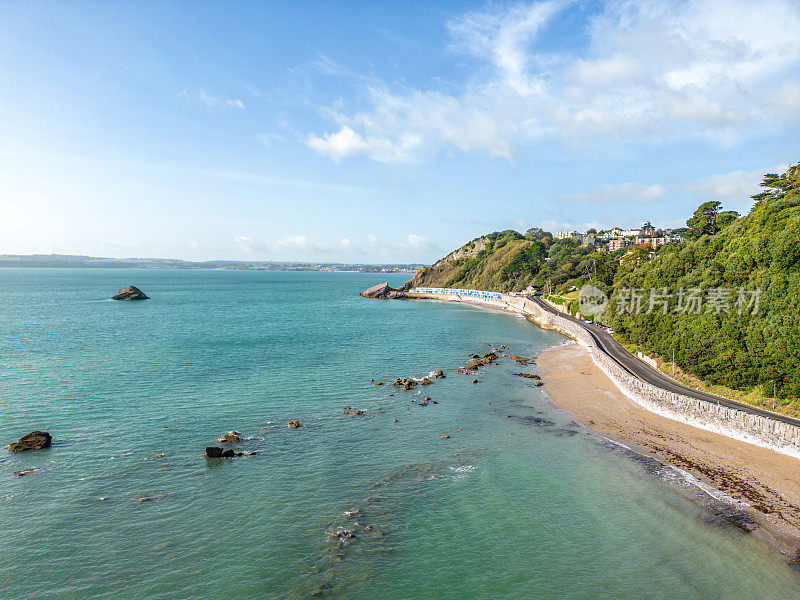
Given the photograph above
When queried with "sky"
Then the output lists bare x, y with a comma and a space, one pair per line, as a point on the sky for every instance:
381, 131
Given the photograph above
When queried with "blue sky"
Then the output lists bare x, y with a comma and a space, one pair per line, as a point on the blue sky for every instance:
380, 131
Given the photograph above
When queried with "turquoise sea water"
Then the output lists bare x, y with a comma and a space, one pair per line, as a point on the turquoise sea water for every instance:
526, 506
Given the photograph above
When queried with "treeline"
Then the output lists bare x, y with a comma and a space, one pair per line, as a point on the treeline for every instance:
750, 265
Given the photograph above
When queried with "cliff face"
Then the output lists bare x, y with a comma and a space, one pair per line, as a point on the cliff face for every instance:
502, 261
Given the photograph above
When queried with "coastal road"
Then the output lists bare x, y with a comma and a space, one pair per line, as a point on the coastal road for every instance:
606, 342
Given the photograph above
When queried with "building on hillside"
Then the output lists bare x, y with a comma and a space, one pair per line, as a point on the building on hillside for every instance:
653, 242
631, 233
647, 230
618, 244
568, 235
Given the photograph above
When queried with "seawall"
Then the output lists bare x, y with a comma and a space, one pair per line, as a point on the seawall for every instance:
737, 424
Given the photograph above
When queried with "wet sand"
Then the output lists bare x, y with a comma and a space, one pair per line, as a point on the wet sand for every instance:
764, 479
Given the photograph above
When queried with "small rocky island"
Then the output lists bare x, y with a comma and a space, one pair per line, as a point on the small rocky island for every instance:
36, 440
130, 293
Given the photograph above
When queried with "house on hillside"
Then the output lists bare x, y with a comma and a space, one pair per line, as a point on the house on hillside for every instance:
618, 244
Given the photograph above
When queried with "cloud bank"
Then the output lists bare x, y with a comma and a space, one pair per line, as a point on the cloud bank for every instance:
645, 71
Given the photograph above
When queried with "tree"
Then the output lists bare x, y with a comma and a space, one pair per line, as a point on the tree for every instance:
704, 220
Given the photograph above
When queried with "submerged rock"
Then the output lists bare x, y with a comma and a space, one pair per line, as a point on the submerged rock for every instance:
130, 292
527, 375
26, 472
36, 440
294, 424
521, 360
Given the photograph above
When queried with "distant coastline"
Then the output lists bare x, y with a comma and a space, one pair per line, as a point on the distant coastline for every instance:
67, 261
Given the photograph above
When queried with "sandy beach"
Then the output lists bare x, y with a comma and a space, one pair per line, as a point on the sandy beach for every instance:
762, 478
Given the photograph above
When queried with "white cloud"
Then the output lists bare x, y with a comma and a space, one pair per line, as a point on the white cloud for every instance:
347, 142
503, 37
608, 72
647, 71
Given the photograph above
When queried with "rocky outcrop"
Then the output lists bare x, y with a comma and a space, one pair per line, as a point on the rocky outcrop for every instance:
294, 424
404, 382
36, 440
217, 452
384, 290
232, 437
130, 293
477, 362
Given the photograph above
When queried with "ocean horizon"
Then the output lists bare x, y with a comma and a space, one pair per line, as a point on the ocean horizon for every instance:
519, 501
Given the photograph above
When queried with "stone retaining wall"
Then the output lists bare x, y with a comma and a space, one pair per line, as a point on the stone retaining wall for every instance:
737, 424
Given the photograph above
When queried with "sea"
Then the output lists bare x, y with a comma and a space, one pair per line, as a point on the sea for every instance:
518, 502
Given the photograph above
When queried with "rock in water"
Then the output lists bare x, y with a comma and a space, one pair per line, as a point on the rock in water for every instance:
384, 290
36, 440
130, 293
232, 437
217, 452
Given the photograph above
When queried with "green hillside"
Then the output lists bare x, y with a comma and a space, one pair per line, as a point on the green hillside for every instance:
728, 261
760, 251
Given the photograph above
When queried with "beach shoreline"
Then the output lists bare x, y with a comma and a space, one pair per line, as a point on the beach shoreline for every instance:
761, 480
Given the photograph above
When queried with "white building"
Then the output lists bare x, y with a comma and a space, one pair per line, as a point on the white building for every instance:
566, 235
